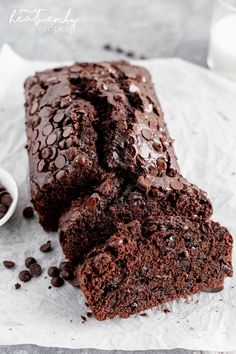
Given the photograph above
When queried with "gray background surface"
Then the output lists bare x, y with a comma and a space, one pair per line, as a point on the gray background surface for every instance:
154, 28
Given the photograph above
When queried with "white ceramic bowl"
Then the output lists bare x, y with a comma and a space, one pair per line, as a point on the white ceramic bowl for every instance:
7, 181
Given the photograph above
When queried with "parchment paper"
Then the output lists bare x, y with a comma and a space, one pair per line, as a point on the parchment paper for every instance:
200, 110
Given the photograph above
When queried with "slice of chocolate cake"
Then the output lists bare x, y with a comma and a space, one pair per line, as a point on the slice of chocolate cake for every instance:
93, 219
142, 266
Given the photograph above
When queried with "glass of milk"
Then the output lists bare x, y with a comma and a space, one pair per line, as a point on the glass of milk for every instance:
222, 45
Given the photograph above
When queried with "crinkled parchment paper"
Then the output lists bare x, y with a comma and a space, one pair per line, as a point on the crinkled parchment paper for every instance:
200, 109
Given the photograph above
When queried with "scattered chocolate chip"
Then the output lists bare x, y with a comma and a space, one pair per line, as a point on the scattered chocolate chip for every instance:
9, 264
84, 318
57, 282
25, 276
67, 274
107, 46
28, 212
144, 314
3, 209
53, 272
6, 200
46, 247
89, 314
60, 161
49, 287
35, 270
17, 286
130, 54
119, 50
29, 261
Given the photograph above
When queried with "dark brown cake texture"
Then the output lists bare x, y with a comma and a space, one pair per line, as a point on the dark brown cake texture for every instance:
103, 169
143, 266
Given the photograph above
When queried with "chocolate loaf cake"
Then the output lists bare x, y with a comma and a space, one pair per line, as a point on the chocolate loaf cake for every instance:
103, 170
142, 266
88, 120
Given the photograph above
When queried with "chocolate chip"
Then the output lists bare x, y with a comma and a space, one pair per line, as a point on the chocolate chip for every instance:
142, 57
53, 153
35, 147
176, 185
46, 247
66, 266
28, 212
58, 117
119, 50
215, 290
89, 314
9, 264
136, 128
60, 175
6, 200
157, 146
51, 139
17, 286
3, 209
46, 153
41, 165
152, 123
144, 182
35, 270
35, 121
47, 129
75, 69
107, 47
69, 142
29, 261
34, 107
53, 272
67, 131
161, 164
146, 133
25, 276
79, 160
65, 91
60, 161
83, 318
130, 54
34, 135
57, 282
66, 274
144, 151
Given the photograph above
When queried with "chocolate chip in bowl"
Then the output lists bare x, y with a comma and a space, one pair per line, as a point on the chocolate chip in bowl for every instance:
8, 196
